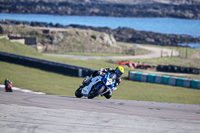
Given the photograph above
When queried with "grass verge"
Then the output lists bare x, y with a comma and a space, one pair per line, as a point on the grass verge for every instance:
188, 57
56, 84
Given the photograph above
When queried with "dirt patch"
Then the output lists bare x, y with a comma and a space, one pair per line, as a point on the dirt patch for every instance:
195, 56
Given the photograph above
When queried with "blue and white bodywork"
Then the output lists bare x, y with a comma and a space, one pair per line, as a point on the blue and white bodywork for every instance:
99, 85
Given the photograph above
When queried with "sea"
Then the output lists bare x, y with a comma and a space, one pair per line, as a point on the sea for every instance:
178, 26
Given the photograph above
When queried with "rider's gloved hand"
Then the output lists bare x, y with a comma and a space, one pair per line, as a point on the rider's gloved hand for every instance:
107, 69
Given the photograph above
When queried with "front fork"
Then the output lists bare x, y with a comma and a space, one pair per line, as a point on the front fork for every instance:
108, 89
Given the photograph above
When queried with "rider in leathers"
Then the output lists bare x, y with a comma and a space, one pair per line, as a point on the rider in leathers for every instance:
119, 71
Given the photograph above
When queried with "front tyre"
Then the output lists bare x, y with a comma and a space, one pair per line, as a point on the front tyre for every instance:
78, 93
93, 93
108, 95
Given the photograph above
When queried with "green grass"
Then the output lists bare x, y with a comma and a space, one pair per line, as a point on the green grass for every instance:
57, 84
190, 61
156, 92
182, 50
89, 54
17, 48
171, 61
38, 80
139, 51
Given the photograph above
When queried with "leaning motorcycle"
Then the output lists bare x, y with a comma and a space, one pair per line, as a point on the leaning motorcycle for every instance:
98, 85
8, 87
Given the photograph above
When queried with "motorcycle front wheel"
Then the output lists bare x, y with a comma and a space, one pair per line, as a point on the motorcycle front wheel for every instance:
93, 93
78, 93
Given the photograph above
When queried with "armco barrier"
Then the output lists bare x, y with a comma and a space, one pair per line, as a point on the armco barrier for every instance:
138, 76
179, 82
151, 78
158, 79
172, 81
167, 80
143, 77
186, 83
198, 87
46, 65
131, 75
194, 84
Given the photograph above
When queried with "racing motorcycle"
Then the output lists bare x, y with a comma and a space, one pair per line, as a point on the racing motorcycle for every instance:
98, 85
8, 87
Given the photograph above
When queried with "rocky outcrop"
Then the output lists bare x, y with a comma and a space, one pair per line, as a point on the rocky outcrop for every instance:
120, 34
64, 40
142, 37
126, 8
77, 40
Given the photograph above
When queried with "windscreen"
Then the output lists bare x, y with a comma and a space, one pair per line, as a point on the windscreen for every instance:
113, 76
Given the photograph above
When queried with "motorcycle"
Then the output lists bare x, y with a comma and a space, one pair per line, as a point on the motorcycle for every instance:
8, 87
98, 85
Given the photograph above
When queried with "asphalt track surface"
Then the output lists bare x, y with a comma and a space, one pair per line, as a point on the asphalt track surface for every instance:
30, 113
155, 52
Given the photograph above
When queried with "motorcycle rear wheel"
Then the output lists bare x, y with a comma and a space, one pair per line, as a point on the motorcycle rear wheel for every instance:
78, 93
93, 93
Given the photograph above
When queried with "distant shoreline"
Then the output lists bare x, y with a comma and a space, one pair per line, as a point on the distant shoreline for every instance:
177, 26
121, 34
174, 9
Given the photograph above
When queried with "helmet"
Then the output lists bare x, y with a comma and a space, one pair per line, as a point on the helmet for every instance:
119, 70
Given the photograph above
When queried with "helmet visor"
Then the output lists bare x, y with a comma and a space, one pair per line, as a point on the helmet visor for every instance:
119, 73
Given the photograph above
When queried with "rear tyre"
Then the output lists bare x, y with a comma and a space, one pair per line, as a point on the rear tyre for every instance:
78, 93
93, 93
10, 89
